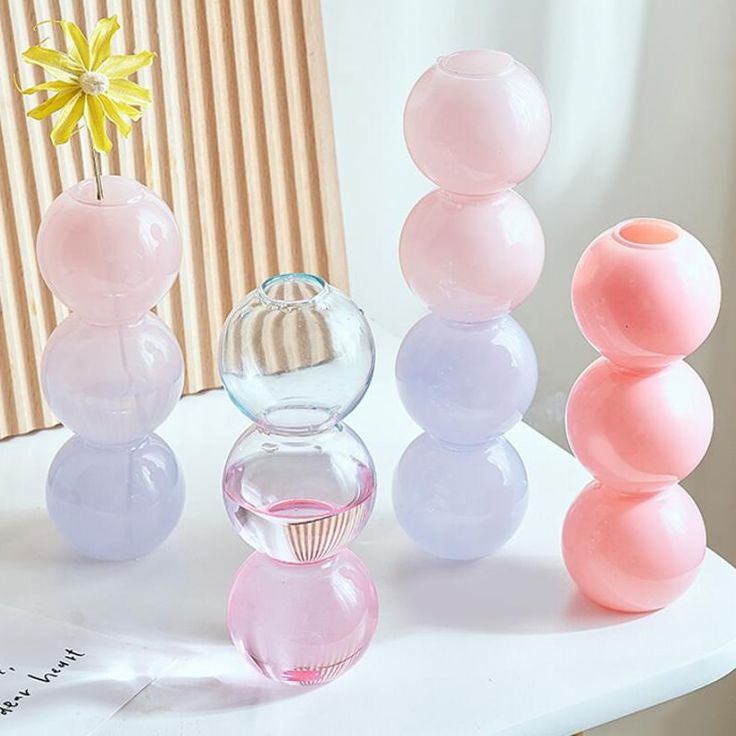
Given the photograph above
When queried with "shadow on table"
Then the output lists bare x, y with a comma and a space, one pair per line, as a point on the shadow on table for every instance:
501, 593
504, 594
176, 596
212, 680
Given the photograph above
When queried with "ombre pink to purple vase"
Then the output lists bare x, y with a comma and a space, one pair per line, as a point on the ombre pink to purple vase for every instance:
112, 371
296, 356
476, 123
645, 294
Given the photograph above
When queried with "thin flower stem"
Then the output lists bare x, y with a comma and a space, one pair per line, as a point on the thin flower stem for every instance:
97, 165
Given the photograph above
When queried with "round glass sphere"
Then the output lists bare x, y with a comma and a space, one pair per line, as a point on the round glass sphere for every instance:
470, 259
297, 498
460, 503
296, 355
109, 260
633, 552
466, 383
477, 122
646, 293
639, 432
112, 384
115, 503
303, 624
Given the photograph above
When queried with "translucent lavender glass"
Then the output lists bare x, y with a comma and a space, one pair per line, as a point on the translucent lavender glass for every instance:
460, 502
299, 498
303, 624
115, 502
112, 384
466, 383
296, 356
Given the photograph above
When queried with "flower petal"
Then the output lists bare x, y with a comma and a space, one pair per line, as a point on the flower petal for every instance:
53, 104
95, 117
60, 65
56, 84
76, 41
105, 29
67, 120
132, 112
123, 90
111, 113
119, 67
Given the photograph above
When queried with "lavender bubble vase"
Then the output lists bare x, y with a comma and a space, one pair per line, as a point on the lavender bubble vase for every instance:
296, 356
476, 123
112, 371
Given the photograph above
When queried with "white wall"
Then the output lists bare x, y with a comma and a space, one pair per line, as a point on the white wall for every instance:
643, 98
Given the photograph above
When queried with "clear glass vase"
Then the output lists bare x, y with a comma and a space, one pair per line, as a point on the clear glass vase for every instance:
296, 356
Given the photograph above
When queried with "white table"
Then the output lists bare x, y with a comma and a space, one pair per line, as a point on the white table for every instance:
501, 646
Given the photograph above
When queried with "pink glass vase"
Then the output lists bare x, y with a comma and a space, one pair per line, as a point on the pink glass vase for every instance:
476, 123
296, 356
112, 371
645, 294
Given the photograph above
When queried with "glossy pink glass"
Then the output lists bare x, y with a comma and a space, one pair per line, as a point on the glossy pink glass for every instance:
470, 259
633, 553
303, 624
110, 260
477, 122
645, 293
639, 431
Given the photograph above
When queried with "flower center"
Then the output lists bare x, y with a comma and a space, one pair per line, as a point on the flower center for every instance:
94, 83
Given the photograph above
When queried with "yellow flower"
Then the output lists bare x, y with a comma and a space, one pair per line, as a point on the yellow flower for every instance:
88, 80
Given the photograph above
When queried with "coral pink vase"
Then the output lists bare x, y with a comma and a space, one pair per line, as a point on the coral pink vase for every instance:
645, 294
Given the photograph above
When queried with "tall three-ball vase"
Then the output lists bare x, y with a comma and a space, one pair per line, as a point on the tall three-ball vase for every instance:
112, 371
476, 123
645, 294
296, 357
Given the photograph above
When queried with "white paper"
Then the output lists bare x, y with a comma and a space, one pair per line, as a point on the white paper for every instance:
61, 679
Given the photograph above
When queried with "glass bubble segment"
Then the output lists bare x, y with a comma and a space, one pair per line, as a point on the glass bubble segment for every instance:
298, 498
303, 624
296, 354
115, 502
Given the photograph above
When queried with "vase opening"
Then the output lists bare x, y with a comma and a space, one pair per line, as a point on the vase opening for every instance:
477, 64
289, 289
646, 232
118, 191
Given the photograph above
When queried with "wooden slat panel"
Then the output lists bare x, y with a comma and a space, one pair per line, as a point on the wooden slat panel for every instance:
239, 142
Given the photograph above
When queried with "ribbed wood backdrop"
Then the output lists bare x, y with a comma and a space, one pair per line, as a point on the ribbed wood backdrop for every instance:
238, 142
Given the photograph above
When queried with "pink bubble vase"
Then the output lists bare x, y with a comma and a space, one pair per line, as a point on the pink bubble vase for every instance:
645, 294
112, 371
476, 123
296, 356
